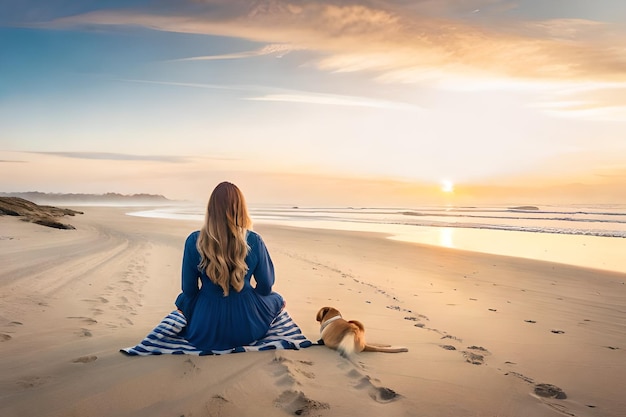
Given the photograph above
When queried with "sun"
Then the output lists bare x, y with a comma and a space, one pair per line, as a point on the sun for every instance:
447, 186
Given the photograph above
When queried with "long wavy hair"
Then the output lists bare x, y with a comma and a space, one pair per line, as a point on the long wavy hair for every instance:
222, 241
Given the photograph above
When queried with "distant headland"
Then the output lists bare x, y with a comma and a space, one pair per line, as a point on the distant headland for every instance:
38, 207
80, 199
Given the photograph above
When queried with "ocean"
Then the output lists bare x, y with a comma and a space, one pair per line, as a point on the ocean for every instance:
583, 235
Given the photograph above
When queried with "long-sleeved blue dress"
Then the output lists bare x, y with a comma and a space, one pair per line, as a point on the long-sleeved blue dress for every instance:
217, 322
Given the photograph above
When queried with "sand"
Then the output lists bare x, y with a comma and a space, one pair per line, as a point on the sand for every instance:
487, 335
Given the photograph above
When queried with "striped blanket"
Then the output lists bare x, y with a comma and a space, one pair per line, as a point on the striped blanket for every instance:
284, 333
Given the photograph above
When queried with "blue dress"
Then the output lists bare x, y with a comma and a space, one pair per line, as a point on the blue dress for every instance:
215, 322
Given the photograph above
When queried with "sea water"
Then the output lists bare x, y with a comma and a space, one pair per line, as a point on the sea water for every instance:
582, 235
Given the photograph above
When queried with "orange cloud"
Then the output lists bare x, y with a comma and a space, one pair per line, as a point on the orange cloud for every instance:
397, 42
352, 35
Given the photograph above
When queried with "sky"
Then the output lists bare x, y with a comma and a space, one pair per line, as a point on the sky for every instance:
316, 102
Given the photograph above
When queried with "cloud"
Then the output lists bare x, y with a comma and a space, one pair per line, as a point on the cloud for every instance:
397, 39
590, 112
115, 156
294, 96
190, 85
277, 50
596, 101
336, 100
8, 161
427, 42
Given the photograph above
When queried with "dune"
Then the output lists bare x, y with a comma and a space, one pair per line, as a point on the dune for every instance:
31, 212
487, 335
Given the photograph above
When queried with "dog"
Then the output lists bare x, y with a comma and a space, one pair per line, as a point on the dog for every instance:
347, 337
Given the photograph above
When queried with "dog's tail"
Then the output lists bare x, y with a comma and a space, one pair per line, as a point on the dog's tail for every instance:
352, 341
346, 346
371, 347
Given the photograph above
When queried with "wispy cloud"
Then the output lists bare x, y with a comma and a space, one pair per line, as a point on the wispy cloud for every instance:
597, 101
115, 156
277, 50
293, 96
110, 156
8, 161
336, 100
189, 85
588, 111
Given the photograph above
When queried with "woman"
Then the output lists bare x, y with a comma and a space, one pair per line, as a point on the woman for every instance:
222, 307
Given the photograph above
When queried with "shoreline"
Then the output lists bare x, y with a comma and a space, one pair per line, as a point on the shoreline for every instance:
589, 251
71, 299
596, 252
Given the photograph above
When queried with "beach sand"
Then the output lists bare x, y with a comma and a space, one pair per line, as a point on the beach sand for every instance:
483, 331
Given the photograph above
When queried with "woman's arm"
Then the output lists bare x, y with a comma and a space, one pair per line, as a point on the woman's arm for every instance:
189, 276
264, 270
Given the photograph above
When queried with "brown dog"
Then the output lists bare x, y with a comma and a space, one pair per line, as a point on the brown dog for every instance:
348, 337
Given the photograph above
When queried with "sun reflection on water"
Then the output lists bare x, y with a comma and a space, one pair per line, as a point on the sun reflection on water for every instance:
446, 237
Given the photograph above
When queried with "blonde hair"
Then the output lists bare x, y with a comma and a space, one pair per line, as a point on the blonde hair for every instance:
222, 240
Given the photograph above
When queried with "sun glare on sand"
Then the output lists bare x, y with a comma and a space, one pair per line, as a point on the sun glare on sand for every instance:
447, 186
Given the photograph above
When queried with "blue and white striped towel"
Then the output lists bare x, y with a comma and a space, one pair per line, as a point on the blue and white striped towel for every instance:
283, 333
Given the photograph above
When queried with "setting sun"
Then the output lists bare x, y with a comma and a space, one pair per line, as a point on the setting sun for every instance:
447, 186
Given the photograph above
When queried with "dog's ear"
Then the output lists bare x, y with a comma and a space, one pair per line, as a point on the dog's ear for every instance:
321, 313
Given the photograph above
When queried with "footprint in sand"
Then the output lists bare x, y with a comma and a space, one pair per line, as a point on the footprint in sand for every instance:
190, 368
378, 394
84, 333
289, 368
304, 372
470, 355
4, 337
85, 359
530, 321
550, 391
32, 381
219, 406
475, 358
285, 379
557, 331
87, 320
295, 402
383, 394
